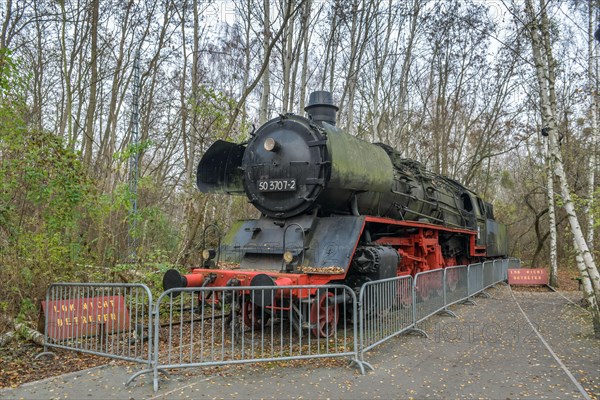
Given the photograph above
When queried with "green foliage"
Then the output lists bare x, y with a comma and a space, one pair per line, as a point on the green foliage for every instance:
133, 149
44, 195
26, 309
45, 192
506, 180
11, 81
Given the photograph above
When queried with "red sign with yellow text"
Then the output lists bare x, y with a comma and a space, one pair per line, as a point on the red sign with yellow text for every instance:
527, 276
85, 317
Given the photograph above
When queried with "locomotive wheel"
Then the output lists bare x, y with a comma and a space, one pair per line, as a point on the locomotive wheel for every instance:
324, 315
254, 316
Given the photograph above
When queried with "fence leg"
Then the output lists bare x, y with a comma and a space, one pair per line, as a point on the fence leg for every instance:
45, 353
139, 373
361, 364
485, 294
468, 302
414, 328
447, 312
418, 331
360, 361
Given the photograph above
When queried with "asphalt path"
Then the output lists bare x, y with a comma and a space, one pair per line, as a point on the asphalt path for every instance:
488, 351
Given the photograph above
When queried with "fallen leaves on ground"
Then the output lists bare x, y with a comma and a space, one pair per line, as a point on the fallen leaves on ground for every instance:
18, 364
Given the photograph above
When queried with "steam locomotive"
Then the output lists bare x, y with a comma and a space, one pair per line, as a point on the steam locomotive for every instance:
334, 209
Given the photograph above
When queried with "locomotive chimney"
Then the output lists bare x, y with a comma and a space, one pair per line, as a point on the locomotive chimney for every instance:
321, 108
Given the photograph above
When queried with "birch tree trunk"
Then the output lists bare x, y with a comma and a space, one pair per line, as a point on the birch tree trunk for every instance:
551, 219
544, 66
593, 84
588, 292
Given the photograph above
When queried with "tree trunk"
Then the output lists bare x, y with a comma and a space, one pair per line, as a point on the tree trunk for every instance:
361, 27
266, 77
29, 334
5, 24
305, 42
289, 13
593, 83
190, 143
88, 138
287, 52
401, 110
65, 121
551, 220
38, 73
107, 143
544, 65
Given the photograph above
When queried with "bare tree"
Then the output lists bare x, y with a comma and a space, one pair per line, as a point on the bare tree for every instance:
594, 136
88, 137
266, 75
551, 218
538, 28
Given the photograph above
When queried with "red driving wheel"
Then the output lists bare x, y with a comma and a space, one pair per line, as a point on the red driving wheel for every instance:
254, 316
324, 316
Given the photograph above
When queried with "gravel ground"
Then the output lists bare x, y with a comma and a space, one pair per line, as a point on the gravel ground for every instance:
489, 351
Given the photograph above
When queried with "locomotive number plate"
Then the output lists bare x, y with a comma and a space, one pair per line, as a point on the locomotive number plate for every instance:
277, 185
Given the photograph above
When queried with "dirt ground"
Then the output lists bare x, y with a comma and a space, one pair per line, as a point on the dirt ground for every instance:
18, 366
566, 279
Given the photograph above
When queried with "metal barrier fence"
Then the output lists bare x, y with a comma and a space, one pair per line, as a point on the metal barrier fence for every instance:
216, 326
456, 284
513, 263
386, 310
475, 278
428, 294
194, 327
500, 266
111, 320
488, 274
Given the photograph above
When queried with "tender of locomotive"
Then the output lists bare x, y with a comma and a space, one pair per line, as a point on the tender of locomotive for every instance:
335, 209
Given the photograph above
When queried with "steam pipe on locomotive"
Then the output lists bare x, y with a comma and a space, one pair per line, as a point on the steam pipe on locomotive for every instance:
360, 211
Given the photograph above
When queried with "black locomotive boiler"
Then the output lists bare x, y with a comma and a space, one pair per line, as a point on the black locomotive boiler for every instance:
335, 209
